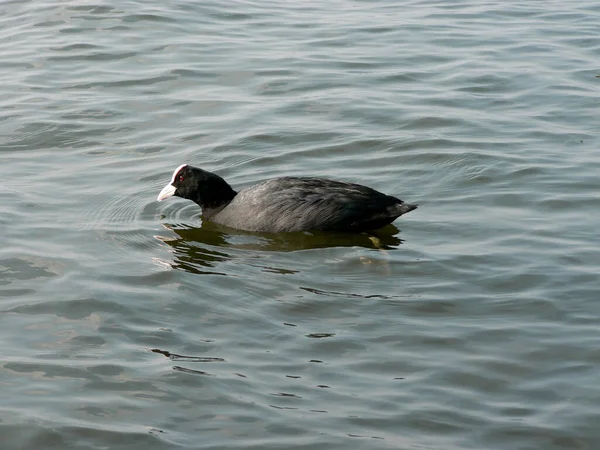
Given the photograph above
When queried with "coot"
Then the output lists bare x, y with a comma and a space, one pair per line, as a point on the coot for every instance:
287, 203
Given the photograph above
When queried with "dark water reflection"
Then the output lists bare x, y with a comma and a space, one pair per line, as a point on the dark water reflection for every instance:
198, 248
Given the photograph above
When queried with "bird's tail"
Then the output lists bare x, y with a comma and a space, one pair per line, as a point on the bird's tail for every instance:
403, 208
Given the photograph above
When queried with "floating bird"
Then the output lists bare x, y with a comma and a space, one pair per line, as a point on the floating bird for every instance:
286, 204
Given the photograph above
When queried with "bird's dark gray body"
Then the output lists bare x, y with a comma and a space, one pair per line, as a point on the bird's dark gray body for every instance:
297, 204
289, 203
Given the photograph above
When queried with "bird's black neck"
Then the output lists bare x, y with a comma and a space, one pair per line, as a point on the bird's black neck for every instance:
214, 194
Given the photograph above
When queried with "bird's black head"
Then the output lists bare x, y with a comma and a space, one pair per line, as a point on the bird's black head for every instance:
207, 189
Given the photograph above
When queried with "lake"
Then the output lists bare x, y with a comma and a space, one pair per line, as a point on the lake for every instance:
473, 323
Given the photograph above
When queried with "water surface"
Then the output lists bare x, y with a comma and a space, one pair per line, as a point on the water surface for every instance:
128, 323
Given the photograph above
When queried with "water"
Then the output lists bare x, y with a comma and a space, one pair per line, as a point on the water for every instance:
128, 324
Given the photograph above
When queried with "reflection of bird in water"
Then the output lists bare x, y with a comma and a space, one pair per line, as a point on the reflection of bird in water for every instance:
287, 204
192, 257
201, 249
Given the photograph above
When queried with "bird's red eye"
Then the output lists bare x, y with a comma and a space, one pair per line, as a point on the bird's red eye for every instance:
180, 177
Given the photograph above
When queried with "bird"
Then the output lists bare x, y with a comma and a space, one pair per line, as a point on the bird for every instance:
286, 204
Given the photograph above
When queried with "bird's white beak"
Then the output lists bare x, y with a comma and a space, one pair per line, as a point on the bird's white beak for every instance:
167, 191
